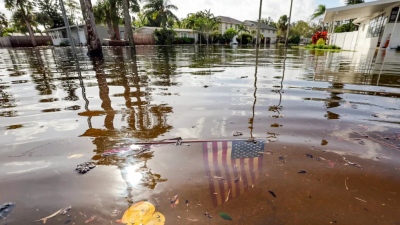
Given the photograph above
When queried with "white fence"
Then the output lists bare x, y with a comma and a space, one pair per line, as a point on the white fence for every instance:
347, 40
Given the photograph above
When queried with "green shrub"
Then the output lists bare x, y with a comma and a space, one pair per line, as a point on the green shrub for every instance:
320, 46
320, 42
246, 37
294, 39
64, 43
229, 34
164, 36
184, 40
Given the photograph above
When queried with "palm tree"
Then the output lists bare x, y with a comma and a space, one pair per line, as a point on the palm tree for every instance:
241, 29
3, 23
25, 8
282, 25
353, 2
158, 12
318, 12
132, 5
93, 41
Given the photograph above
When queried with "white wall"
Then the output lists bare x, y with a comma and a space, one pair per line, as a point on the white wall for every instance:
395, 36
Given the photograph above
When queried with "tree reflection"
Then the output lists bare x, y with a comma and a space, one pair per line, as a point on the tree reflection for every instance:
144, 121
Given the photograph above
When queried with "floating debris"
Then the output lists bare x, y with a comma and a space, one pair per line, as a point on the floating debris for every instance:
174, 201
6, 209
237, 133
309, 156
272, 193
302, 171
66, 210
351, 163
90, 219
361, 142
44, 219
281, 158
324, 142
225, 216
85, 167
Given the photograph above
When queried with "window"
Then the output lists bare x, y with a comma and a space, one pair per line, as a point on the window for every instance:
262, 30
376, 26
269, 31
231, 25
393, 15
226, 26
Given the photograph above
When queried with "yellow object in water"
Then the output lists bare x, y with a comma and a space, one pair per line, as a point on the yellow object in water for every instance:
142, 213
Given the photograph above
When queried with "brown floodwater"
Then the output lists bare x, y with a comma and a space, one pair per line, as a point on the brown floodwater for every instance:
326, 126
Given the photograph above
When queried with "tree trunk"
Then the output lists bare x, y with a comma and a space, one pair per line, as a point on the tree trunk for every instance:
93, 41
28, 25
111, 30
116, 30
128, 25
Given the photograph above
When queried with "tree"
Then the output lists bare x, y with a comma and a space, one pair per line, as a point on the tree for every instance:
282, 25
302, 28
93, 41
268, 21
102, 15
229, 34
241, 29
72, 7
127, 17
24, 9
353, 2
50, 9
318, 12
206, 23
44, 19
140, 20
158, 12
3, 24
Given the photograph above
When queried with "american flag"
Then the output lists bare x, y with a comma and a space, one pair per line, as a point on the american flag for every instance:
232, 167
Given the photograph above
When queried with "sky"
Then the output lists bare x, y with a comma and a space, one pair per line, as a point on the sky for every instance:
245, 9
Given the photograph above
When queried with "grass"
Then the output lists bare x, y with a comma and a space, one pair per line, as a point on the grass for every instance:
320, 47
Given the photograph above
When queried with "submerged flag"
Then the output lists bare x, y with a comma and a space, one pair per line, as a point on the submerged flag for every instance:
232, 167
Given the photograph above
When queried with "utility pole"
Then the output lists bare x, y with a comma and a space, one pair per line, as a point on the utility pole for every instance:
288, 27
258, 28
66, 22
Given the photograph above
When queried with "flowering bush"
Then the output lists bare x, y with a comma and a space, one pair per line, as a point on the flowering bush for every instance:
319, 35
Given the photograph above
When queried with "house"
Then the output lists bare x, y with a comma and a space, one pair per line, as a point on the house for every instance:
226, 23
144, 35
59, 35
376, 23
270, 33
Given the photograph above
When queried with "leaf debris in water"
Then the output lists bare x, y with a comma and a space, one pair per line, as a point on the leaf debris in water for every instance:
174, 201
309, 156
272, 193
225, 216
302, 171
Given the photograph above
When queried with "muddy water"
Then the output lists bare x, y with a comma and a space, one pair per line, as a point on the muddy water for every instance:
339, 108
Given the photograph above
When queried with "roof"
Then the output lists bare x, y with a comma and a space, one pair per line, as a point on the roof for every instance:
62, 28
175, 29
262, 25
358, 10
226, 19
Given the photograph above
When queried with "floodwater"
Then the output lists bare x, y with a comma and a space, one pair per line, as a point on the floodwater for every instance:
326, 126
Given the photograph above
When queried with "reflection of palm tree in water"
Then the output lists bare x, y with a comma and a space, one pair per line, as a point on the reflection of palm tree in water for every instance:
138, 121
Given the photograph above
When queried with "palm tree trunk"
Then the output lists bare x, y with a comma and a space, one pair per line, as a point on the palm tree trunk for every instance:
128, 25
93, 41
111, 29
115, 19
28, 25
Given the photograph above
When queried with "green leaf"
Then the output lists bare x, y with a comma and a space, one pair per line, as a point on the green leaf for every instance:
225, 216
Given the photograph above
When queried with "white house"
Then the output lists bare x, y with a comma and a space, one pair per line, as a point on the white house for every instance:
189, 33
226, 23
267, 31
377, 25
59, 35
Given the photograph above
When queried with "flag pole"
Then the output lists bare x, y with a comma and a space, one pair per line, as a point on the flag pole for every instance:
288, 27
258, 28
